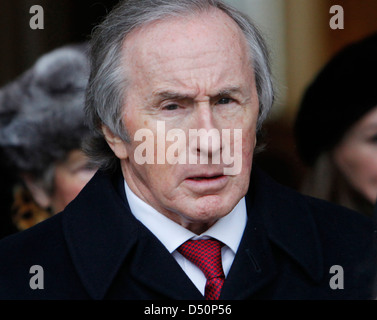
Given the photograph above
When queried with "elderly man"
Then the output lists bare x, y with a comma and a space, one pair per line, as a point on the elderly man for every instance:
177, 93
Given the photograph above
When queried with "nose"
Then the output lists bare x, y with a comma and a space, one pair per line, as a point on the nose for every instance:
205, 137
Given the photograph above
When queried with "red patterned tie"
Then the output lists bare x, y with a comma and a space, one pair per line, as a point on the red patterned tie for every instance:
206, 254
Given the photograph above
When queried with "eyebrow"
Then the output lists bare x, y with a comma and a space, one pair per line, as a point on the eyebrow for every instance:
170, 95
173, 95
228, 91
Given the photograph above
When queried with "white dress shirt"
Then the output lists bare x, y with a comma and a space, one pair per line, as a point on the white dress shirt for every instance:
228, 230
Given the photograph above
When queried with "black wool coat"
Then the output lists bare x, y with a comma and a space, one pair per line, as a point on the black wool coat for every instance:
96, 249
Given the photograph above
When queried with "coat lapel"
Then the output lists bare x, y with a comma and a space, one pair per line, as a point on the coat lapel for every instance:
276, 216
102, 234
289, 223
253, 266
156, 268
98, 233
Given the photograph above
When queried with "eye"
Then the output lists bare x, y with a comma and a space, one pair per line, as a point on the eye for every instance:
225, 101
171, 107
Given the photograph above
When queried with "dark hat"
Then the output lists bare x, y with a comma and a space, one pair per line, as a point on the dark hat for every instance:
42, 111
343, 91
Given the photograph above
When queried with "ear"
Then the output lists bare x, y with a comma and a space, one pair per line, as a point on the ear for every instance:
115, 143
255, 141
39, 195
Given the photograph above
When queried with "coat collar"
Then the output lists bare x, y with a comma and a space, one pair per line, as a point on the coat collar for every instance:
288, 221
279, 216
102, 231
98, 233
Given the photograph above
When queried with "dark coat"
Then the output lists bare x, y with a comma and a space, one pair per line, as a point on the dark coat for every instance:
96, 249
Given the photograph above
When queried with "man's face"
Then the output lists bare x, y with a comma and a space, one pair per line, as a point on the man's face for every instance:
189, 73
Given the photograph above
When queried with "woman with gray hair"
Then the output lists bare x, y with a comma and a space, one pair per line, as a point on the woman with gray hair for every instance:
41, 130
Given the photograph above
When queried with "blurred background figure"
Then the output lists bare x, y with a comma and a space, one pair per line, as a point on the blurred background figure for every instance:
41, 131
336, 129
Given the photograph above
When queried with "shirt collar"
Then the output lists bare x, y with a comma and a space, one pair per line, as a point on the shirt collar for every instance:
172, 235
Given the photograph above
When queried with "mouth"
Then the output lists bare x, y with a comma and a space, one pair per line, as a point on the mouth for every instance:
200, 178
207, 183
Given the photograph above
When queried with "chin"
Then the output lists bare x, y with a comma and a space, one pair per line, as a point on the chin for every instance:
212, 207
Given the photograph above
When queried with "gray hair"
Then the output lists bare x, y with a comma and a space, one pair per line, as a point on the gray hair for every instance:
42, 111
107, 83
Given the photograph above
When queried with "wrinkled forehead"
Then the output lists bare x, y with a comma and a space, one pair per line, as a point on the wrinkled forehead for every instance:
190, 35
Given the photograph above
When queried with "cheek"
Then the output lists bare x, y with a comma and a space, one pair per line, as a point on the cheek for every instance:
362, 173
248, 142
247, 156
355, 161
349, 165
359, 166
366, 170
152, 176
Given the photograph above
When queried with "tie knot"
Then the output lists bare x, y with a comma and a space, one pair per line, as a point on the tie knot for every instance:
205, 254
